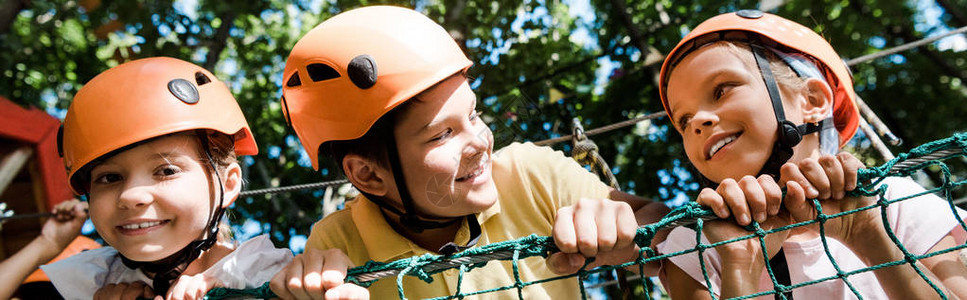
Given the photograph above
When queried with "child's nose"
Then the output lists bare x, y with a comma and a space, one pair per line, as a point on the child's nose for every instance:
134, 197
698, 129
703, 120
479, 142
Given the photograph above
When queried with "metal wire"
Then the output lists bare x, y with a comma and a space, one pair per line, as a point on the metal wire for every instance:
904, 47
282, 189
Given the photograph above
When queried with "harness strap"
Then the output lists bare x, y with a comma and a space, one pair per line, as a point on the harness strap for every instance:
781, 269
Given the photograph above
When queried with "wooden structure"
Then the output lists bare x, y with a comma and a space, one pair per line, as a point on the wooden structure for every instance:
32, 174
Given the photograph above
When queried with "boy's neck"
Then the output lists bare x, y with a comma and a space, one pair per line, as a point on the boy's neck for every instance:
430, 239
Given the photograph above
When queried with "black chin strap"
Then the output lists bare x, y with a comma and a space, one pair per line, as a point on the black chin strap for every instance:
165, 271
408, 217
789, 134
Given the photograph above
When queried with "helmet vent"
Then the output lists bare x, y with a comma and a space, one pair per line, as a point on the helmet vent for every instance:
362, 71
294, 80
201, 78
319, 72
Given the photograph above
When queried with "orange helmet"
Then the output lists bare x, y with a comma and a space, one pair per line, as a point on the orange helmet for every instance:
79, 244
353, 68
147, 98
775, 31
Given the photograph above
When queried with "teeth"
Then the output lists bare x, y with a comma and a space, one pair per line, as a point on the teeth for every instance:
718, 145
475, 172
140, 225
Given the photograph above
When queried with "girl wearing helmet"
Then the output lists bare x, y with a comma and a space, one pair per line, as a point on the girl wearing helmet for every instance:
749, 149
153, 145
383, 91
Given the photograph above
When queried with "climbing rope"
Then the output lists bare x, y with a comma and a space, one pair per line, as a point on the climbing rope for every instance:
930, 155
585, 152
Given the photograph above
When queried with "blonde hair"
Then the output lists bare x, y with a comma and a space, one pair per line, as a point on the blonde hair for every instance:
786, 78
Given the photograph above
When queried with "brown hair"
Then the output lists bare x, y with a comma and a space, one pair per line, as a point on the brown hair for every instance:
370, 146
222, 149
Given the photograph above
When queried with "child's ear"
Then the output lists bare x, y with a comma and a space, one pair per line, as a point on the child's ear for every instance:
365, 175
819, 100
232, 183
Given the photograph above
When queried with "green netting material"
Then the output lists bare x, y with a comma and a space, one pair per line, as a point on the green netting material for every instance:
423, 267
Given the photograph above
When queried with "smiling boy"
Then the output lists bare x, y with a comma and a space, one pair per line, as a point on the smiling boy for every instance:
383, 92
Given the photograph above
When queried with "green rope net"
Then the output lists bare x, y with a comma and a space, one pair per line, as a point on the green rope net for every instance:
930, 155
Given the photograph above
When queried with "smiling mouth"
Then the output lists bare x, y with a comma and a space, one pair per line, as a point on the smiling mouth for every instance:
142, 225
481, 166
720, 144
476, 172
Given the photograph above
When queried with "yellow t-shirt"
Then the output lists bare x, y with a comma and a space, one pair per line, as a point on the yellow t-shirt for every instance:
532, 184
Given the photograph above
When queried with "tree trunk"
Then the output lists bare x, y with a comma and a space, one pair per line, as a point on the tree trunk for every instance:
959, 17
637, 37
9, 9
220, 40
453, 24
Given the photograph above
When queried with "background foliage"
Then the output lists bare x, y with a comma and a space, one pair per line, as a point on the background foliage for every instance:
539, 63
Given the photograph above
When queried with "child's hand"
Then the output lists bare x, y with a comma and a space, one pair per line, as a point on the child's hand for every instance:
747, 198
853, 229
599, 228
125, 291
828, 177
191, 287
317, 274
65, 225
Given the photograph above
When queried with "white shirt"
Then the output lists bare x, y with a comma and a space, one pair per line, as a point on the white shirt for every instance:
250, 265
919, 223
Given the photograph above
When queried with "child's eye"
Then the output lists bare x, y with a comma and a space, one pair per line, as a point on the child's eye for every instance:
446, 134
167, 170
475, 115
721, 89
107, 178
683, 121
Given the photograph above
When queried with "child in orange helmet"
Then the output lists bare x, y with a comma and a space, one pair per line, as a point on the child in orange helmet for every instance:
153, 144
383, 92
717, 86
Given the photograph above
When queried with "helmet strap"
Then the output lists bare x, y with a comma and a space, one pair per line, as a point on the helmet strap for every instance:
789, 134
165, 271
